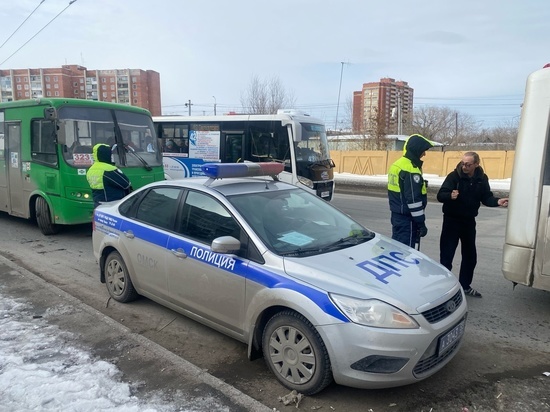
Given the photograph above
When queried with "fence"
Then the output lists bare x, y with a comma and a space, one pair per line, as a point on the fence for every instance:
497, 164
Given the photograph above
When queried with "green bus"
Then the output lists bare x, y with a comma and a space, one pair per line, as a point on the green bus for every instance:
46, 149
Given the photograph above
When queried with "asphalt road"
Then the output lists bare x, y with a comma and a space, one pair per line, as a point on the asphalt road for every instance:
499, 367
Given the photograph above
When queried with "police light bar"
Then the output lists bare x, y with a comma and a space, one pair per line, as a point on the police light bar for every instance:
225, 170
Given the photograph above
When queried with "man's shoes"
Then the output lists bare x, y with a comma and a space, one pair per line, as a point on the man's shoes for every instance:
472, 292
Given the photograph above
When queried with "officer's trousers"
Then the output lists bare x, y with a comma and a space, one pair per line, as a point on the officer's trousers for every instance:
404, 229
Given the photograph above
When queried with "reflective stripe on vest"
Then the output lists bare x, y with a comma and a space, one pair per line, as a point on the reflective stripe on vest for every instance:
95, 174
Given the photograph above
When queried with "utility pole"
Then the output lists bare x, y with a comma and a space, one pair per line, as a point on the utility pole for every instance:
188, 104
399, 114
214, 105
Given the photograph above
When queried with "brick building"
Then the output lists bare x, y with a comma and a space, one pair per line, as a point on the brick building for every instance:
134, 87
385, 106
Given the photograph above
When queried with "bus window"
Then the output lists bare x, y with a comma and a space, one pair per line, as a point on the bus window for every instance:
263, 147
43, 135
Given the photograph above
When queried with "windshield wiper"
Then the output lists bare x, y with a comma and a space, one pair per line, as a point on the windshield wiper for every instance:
351, 240
141, 159
300, 251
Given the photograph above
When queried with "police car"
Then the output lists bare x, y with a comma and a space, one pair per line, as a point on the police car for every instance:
321, 297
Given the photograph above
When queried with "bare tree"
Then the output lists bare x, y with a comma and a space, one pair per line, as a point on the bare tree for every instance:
444, 125
502, 137
348, 114
379, 131
266, 96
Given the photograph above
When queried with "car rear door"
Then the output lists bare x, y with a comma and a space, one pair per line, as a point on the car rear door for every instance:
146, 237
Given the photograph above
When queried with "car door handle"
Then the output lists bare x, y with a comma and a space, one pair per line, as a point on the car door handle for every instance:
179, 253
129, 234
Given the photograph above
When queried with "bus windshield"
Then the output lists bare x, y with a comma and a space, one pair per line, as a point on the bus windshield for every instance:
131, 136
313, 147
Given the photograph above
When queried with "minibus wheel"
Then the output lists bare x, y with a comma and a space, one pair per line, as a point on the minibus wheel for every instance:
44, 217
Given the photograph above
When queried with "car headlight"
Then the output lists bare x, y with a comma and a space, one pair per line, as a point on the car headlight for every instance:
373, 312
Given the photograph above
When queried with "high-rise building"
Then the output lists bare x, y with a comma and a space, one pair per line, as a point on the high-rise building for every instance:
134, 87
384, 107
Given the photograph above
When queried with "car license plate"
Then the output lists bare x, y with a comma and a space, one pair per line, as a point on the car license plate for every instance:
447, 340
325, 194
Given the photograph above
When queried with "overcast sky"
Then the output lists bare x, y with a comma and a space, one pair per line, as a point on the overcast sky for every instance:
472, 56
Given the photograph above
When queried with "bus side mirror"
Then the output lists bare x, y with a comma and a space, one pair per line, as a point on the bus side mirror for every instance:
50, 113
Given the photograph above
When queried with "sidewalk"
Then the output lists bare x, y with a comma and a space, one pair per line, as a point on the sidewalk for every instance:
57, 353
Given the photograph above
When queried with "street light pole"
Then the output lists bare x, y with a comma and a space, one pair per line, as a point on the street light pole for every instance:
339, 90
214, 105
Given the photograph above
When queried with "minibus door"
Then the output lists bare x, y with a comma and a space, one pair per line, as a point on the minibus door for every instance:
543, 236
234, 143
15, 195
4, 199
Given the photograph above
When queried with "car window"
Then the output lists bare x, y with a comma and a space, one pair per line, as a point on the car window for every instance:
205, 218
159, 207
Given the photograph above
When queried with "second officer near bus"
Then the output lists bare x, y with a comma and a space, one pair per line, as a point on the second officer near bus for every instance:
408, 193
107, 182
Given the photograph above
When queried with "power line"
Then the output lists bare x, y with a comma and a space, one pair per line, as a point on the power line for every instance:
38, 32
11, 35
505, 97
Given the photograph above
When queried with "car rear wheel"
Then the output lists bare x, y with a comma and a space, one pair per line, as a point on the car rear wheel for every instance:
296, 354
117, 279
44, 218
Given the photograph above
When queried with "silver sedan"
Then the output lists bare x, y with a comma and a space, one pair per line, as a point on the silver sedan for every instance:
321, 297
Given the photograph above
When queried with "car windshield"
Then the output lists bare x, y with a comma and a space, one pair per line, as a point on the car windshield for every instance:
297, 223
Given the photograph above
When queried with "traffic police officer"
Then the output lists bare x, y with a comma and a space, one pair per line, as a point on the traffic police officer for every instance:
107, 182
407, 192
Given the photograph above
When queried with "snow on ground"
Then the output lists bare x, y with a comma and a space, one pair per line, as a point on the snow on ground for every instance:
40, 371
434, 180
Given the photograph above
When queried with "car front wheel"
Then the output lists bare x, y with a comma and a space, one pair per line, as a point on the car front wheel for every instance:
296, 354
117, 279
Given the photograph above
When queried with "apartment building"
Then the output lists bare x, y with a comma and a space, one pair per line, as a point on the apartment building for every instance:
134, 87
384, 107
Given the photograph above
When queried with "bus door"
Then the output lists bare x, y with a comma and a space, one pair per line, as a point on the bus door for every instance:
17, 204
234, 144
4, 201
542, 248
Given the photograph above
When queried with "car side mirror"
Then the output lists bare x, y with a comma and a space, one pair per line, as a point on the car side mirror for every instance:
225, 244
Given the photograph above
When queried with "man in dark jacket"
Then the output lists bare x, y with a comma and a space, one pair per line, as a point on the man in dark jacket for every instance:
462, 193
407, 192
107, 182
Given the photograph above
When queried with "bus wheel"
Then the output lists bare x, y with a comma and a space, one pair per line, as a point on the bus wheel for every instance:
44, 218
